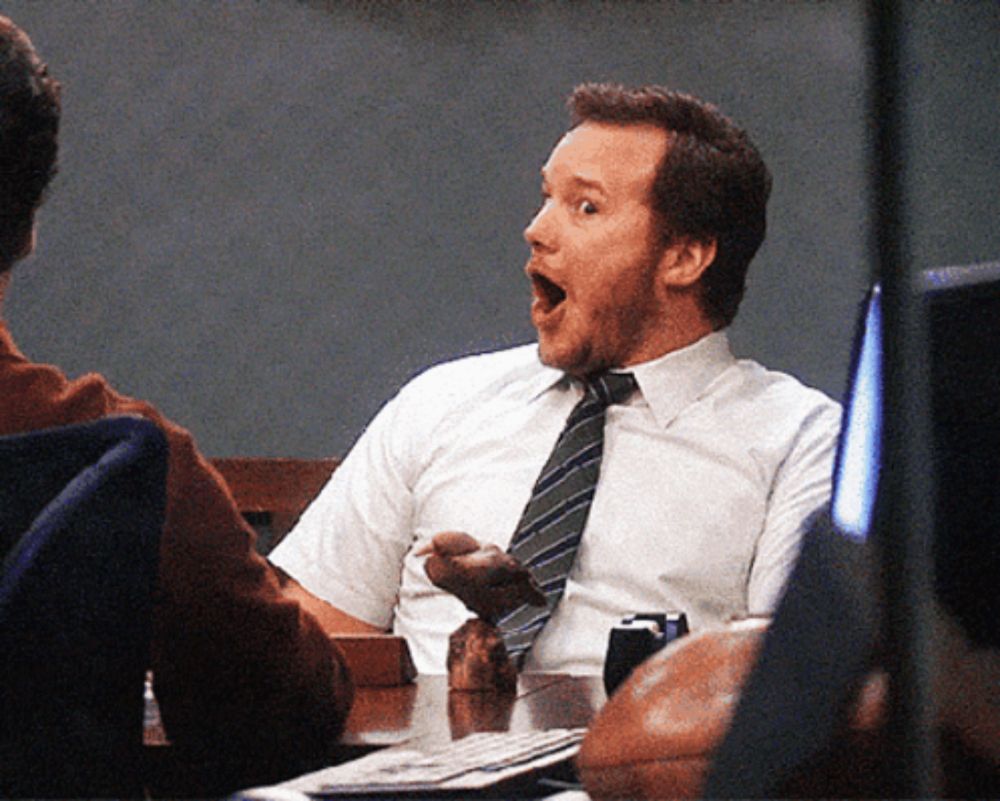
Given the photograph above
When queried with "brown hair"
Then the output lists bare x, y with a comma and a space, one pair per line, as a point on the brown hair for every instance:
29, 127
712, 184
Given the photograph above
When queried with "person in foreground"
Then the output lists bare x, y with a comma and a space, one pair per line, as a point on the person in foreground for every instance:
653, 205
250, 687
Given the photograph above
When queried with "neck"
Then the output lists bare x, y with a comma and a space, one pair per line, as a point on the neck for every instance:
682, 324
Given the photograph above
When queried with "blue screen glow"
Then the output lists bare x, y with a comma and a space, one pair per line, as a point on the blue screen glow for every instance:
856, 478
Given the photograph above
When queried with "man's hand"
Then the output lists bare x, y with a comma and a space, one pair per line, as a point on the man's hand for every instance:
488, 581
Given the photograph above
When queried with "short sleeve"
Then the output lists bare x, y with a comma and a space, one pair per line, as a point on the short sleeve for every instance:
801, 485
349, 544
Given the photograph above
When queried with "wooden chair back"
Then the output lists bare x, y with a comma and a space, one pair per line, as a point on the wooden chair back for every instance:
272, 492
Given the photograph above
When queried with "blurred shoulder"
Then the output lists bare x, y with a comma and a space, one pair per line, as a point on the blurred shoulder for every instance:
780, 391
472, 376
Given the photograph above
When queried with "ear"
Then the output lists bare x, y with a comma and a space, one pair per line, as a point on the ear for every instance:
683, 262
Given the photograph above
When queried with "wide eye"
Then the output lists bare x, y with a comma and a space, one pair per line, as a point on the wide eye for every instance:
587, 207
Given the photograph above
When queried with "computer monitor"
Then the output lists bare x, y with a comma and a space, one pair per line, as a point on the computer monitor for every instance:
962, 307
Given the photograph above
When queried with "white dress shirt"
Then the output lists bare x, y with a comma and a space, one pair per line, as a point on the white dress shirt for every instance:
709, 471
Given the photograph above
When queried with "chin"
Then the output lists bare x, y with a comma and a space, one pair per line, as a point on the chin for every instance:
550, 356
567, 361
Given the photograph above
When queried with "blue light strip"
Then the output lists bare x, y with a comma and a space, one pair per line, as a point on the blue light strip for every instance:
856, 481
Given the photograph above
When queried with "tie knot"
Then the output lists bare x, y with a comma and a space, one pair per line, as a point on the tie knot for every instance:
610, 388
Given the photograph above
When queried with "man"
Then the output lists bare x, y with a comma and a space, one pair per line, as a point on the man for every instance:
249, 686
653, 205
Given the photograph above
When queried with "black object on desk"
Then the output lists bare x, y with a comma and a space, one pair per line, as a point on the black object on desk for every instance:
635, 639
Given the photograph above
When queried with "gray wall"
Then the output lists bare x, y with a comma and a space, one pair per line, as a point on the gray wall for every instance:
271, 214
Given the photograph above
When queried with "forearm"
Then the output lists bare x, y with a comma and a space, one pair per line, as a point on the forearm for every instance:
331, 619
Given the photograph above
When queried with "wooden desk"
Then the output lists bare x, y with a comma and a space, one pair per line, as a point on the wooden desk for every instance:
426, 712
426, 715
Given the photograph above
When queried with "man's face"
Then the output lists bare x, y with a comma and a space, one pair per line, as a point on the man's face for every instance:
596, 302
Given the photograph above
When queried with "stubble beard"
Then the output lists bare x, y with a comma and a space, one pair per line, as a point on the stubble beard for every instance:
613, 331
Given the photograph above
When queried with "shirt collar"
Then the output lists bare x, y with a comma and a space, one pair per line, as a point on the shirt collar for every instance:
674, 381
667, 384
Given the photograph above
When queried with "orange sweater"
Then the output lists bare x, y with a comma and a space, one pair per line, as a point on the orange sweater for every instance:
247, 681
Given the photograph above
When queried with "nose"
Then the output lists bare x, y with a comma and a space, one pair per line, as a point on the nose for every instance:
540, 232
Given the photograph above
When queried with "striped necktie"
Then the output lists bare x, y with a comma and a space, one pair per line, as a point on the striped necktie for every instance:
552, 523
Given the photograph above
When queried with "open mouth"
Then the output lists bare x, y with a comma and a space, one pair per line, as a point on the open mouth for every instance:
548, 294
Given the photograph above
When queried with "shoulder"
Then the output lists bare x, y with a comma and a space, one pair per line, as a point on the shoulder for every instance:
448, 394
42, 396
449, 385
470, 374
782, 408
758, 385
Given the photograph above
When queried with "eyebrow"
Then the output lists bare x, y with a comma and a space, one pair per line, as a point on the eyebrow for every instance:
578, 181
